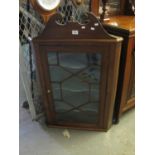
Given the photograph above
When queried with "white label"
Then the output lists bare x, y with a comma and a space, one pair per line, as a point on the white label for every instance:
92, 28
83, 27
96, 24
75, 32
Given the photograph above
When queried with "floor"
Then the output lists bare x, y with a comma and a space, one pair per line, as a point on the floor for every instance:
36, 139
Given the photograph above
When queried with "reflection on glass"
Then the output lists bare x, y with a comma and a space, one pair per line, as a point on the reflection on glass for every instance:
75, 84
78, 62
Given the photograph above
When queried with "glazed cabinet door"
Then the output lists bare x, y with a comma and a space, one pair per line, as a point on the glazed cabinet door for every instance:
128, 97
131, 88
72, 82
79, 85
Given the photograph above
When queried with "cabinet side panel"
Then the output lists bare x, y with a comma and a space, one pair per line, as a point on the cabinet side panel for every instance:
112, 79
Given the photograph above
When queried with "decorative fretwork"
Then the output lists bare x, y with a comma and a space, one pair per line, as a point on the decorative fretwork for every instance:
72, 12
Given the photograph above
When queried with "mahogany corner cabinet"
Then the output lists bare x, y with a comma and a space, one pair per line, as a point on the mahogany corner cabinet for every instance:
78, 70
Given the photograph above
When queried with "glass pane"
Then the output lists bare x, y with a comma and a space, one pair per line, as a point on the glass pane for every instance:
52, 58
56, 91
75, 84
90, 75
58, 74
78, 62
94, 93
91, 108
94, 59
61, 107
75, 91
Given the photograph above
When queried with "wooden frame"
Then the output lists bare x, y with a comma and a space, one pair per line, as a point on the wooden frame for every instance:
60, 38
